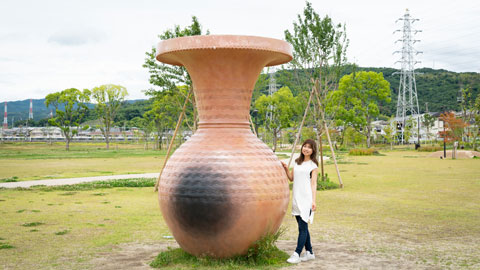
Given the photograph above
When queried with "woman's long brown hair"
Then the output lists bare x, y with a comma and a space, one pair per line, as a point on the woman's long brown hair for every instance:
313, 157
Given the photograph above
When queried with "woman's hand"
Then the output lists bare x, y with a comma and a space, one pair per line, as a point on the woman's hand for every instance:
287, 171
314, 206
285, 166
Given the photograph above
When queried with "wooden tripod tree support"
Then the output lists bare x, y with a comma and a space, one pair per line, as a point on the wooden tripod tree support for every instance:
314, 91
328, 134
180, 118
300, 128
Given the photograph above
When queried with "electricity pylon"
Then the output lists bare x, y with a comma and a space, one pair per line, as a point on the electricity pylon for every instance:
407, 104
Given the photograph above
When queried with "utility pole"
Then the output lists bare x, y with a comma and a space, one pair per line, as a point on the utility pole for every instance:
5, 122
407, 103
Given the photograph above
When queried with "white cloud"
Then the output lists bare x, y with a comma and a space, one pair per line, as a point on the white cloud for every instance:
69, 37
48, 46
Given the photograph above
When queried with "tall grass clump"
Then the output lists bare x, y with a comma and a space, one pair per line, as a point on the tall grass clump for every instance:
363, 152
325, 184
428, 148
262, 254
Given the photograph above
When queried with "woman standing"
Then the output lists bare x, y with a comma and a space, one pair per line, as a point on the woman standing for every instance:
304, 177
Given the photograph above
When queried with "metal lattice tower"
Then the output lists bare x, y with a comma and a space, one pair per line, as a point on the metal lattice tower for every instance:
407, 104
272, 88
30, 113
5, 122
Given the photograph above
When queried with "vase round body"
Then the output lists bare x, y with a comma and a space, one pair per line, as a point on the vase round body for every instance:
223, 189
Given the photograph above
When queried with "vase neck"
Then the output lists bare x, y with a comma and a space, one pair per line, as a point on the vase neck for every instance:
223, 81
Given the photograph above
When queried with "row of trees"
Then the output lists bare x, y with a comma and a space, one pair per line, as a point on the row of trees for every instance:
312, 82
71, 107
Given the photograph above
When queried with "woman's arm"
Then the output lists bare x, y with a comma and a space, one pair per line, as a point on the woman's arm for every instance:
314, 188
288, 172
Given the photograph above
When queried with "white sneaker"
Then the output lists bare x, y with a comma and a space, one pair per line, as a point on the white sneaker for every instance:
295, 258
307, 256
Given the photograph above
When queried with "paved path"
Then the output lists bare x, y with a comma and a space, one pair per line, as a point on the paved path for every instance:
71, 181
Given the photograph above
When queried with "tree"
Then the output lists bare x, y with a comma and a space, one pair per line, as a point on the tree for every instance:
453, 127
428, 122
356, 101
281, 107
73, 102
164, 113
108, 98
390, 132
319, 50
168, 77
475, 129
467, 104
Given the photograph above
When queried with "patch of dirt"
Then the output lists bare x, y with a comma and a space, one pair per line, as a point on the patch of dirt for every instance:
460, 154
132, 256
329, 255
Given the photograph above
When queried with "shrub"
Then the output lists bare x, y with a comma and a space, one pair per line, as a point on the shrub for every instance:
5, 246
428, 148
325, 184
263, 252
11, 179
363, 152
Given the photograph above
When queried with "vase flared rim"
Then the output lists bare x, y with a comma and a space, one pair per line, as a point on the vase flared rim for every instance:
166, 48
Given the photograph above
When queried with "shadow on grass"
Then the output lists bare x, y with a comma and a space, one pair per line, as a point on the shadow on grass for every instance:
264, 254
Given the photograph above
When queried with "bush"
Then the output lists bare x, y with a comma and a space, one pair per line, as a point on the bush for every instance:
262, 253
11, 179
325, 184
428, 148
363, 152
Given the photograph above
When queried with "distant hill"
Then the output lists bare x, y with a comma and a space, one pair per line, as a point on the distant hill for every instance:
18, 110
437, 87
440, 88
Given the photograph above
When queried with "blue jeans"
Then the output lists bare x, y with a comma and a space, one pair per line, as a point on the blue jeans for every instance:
303, 236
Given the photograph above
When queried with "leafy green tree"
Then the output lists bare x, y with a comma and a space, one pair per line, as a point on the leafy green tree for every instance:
281, 107
428, 121
168, 77
319, 54
108, 98
476, 128
68, 119
356, 100
164, 114
467, 105
390, 132
410, 126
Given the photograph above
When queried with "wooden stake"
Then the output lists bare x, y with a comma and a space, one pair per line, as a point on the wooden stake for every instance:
328, 135
300, 128
180, 118
251, 125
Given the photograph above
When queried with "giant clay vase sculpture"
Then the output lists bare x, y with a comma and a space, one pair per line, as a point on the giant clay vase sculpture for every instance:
224, 188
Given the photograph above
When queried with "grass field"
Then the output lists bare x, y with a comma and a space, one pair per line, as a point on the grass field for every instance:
32, 161
401, 205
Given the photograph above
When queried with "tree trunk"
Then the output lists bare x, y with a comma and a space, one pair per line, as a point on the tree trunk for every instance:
274, 140
319, 135
368, 137
107, 139
67, 145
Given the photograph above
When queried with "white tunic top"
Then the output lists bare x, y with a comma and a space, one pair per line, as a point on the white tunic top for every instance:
302, 190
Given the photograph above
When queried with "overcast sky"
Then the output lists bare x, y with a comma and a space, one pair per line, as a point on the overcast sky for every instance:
48, 46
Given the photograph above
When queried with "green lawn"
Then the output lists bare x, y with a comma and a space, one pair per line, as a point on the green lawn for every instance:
32, 161
402, 204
